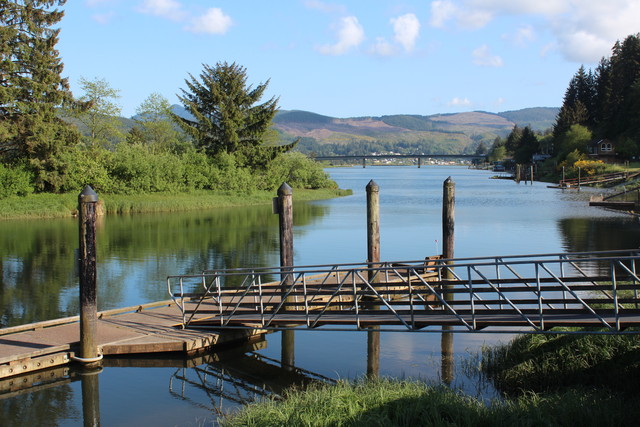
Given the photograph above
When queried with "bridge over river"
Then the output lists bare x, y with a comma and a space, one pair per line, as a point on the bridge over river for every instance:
528, 293
419, 157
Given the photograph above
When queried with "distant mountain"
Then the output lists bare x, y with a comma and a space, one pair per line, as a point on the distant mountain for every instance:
458, 133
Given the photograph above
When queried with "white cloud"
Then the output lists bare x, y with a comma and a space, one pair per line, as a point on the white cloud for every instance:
214, 21
441, 12
406, 29
169, 9
325, 7
103, 18
382, 47
584, 30
350, 35
483, 57
460, 102
522, 36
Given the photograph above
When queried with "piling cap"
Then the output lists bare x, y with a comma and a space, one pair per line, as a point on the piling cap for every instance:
285, 190
372, 186
88, 195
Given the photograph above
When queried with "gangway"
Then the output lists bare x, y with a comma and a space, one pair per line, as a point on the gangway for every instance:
525, 293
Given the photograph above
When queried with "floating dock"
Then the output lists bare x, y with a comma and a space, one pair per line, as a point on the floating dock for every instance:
144, 329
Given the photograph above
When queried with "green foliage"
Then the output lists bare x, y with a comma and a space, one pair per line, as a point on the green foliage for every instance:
98, 112
225, 116
408, 403
556, 362
606, 101
15, 181
577, 138
154, 125
31, 90
298, 171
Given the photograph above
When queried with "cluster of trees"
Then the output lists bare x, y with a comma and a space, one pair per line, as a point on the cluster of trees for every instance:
53, 142
598, 104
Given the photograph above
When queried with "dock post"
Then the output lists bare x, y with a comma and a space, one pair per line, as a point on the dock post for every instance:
419, 162
364, 162
285, 211
373, 226
579, 178
532, 174
87, 201
446, 354
91, 399
373, 259
448, 226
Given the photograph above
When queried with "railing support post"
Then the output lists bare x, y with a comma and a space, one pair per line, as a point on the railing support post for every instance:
87, 201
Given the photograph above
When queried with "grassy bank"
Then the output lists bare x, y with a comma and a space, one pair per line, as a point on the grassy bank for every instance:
403, 403
550, 363
65, 205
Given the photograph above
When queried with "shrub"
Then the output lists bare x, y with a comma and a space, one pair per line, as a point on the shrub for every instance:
15, 181
87, 166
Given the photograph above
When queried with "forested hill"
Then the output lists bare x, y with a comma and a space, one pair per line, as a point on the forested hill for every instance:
458, 133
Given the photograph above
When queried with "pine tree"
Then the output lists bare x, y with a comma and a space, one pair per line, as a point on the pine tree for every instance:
31, 89
226, 116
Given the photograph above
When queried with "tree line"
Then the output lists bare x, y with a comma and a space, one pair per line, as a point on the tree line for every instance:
51, 141
600, 104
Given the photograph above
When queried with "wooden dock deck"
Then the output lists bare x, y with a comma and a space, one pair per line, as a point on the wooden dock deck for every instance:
149, 328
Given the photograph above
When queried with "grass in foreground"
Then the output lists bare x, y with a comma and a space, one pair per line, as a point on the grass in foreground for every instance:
544, 363
65, 205
406, 403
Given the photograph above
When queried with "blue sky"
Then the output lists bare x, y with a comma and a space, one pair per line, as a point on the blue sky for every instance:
348, 58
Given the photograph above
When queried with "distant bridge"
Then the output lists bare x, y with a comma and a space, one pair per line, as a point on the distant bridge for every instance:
418, 157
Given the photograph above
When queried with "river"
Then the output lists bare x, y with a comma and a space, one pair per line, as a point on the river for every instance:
136, 253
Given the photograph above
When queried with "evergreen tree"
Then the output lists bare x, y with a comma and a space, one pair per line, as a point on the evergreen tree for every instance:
578, 104
31, 89
527, 147
226, 117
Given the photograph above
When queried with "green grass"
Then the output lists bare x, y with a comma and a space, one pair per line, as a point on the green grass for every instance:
406, 403
544, 363
65, 205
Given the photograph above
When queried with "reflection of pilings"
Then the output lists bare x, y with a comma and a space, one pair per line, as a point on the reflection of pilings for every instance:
91, 398
373, 352
446, 350
288, 350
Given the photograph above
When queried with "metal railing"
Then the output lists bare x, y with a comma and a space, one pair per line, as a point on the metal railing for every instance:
536, 292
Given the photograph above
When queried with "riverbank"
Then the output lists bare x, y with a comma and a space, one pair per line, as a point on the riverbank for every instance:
546, 380
406, 403
65, 205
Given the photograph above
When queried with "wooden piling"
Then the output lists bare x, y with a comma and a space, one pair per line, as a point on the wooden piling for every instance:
285, 212
373, 225
91, 399
87, 201
446, 352
448, 222
287, 353
532, 170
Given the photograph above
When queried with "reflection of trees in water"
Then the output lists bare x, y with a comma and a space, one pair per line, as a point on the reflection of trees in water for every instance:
599, 234
48, 407
135, 254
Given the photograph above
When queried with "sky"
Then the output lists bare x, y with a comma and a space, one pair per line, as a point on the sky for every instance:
348, 58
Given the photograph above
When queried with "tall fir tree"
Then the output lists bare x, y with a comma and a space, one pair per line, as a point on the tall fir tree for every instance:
31, 89
226, 115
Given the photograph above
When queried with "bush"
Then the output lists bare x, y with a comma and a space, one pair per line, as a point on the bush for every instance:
298, 171
87, 166
15, 181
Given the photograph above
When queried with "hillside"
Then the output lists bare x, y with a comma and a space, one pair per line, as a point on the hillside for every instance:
458, 133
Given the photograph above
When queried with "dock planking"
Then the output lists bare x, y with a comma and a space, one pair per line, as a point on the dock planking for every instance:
150, 328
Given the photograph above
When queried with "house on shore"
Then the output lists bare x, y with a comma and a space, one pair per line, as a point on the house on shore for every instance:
603, 149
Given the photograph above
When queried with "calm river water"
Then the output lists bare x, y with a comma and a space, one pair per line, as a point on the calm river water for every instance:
136, 253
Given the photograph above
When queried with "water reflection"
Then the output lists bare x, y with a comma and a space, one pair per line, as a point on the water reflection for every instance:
135, 254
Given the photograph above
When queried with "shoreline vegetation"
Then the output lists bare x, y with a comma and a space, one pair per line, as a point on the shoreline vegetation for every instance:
46, 205
554, 379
